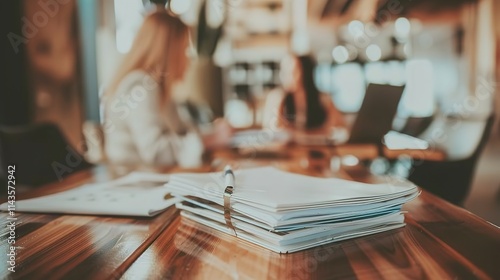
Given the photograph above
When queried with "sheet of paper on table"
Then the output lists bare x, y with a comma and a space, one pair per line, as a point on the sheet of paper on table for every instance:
398, 141
136, 194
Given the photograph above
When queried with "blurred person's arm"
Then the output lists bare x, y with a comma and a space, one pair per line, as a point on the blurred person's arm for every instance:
334, 116
272, 111
220, 136
156, 143
217, 134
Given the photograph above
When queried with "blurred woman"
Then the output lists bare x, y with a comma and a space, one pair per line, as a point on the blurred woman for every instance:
301, 105
142, 124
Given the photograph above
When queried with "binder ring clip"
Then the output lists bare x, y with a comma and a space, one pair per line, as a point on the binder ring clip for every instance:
228, 192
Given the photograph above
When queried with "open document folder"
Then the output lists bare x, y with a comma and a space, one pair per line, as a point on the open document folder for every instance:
137, 194
287, 212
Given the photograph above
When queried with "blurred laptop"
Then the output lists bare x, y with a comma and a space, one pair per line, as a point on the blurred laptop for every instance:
374, 119
376, 114
373, 122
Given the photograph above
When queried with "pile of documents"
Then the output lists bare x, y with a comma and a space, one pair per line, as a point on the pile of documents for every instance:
288, 212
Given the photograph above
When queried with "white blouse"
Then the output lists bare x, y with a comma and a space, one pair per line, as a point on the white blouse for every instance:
137, 132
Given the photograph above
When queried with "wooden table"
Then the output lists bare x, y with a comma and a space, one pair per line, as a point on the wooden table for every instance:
360, 151
258, 143
440, 241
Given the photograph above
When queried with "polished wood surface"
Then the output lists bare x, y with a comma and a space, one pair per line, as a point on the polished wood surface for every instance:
440, 241
363, 151
79, 247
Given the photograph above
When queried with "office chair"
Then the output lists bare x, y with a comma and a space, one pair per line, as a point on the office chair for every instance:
450, 180
40, 154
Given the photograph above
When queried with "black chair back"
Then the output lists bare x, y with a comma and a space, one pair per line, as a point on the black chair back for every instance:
451, 180
40, 154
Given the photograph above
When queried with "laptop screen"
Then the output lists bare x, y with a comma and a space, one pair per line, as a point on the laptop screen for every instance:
376, 114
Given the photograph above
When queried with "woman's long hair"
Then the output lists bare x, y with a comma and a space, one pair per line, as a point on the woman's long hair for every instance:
315, 112
159, 50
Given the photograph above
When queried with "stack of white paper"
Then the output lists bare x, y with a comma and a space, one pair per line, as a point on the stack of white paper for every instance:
287, 212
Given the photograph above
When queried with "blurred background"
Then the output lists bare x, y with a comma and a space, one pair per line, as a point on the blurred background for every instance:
58, 56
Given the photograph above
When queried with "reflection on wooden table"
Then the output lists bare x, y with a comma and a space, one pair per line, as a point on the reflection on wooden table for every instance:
440, 241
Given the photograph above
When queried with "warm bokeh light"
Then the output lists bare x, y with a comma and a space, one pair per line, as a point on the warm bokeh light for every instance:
180, 6
373, 52
356, 28
340, 54
402, 27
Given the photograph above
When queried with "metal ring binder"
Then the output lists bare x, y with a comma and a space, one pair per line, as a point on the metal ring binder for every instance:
228, 192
